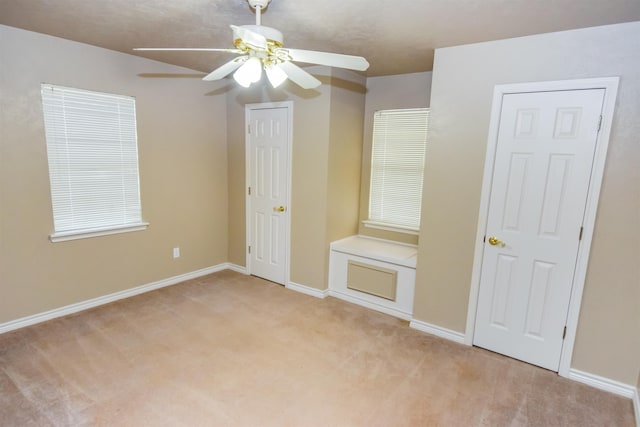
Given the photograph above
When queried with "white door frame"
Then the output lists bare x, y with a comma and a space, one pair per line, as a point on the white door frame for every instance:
610, 85
247, 113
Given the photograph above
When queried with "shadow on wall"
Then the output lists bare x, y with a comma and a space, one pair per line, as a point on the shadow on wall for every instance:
343, 84
172, 75
226, 86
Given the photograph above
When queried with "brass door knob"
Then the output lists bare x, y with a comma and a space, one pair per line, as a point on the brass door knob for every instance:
493, 241
279, 209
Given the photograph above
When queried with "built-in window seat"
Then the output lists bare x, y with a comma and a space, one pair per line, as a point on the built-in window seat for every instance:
375, 273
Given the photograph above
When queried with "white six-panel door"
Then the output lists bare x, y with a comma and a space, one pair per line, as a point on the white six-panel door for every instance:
544, 156
268, 138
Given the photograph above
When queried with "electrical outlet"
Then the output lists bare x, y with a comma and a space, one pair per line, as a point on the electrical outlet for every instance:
176, 252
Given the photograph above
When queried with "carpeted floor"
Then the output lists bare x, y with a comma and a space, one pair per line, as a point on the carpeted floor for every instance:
229, 349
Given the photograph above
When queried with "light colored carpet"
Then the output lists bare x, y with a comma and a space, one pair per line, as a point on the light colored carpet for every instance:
229, 349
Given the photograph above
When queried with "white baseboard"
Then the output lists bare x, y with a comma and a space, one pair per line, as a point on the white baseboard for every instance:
237, 268
94, 302
636, 405
603, 383
307, 290
437, 331
612, 386
372, 305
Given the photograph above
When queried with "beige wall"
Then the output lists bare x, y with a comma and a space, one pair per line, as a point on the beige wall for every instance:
183, 177
608, 342
309, 154
182, 130
318, 131
385, 93
345, 156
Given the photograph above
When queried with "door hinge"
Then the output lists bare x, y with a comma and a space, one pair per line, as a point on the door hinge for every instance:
564, 332
580, 236
249, 129
599, 123
484, 239
249, 191
249, 248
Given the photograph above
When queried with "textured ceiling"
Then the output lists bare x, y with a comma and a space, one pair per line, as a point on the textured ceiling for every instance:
395, 36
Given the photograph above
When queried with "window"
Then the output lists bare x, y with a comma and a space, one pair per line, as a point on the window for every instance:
93, 162
397, 166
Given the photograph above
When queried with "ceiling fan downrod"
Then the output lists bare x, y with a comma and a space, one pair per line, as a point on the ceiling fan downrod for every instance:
258, 5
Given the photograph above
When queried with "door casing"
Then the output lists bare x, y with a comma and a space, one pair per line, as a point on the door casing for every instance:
247, 109
610, 85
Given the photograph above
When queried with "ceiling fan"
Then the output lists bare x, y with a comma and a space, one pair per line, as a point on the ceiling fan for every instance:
261, 47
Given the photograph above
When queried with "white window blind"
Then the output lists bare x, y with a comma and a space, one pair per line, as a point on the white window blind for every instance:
93, 161
397, 167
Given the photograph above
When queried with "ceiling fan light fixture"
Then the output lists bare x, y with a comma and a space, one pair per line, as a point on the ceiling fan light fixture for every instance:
260, 47
249, 72
275, 74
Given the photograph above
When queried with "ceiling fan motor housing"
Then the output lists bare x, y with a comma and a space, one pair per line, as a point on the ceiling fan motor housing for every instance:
259, 3
271, 34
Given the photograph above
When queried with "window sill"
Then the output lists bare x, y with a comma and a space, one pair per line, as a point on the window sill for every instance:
96, 232
391, 227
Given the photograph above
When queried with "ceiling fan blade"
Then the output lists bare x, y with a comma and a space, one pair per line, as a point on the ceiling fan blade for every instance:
226, 69
188, 49
299, 76
331, 59
250, 38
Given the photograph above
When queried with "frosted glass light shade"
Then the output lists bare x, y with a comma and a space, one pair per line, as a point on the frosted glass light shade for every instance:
249, 72
276, 75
